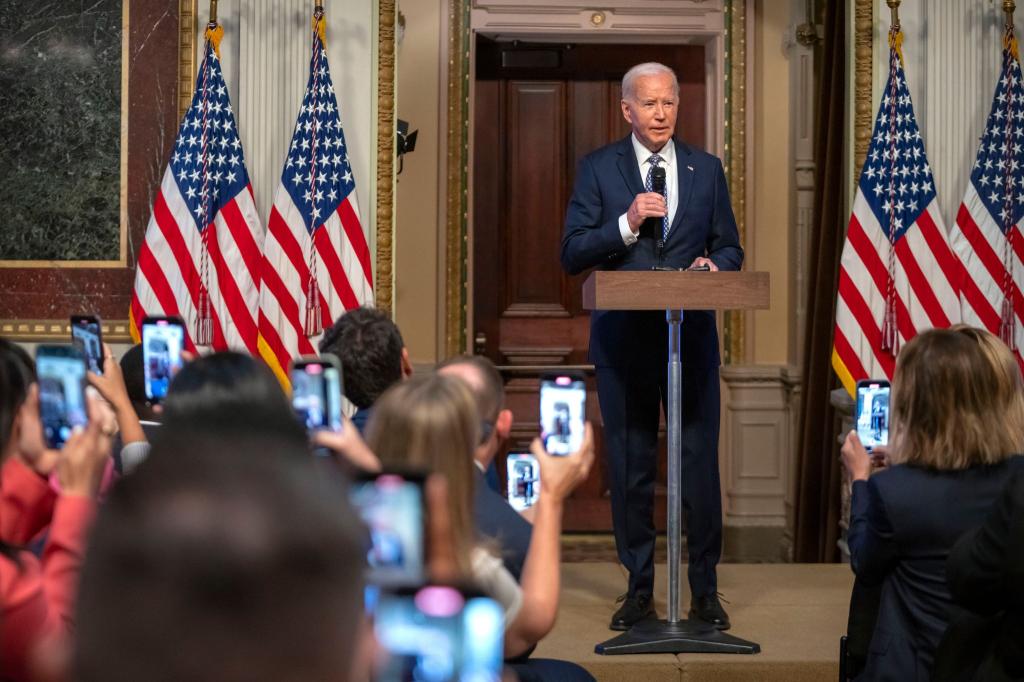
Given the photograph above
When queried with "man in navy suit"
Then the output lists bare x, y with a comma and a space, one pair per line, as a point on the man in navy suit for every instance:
615, 222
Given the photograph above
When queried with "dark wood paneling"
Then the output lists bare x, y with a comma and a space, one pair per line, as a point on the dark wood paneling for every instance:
488, 219
535, 197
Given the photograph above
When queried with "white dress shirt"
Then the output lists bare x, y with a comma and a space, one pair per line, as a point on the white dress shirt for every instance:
668, 162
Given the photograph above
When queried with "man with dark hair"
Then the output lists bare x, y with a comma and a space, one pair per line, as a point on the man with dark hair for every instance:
372, 354
495, 518
224, 557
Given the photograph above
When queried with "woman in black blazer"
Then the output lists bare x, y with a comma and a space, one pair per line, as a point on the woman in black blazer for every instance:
957, 415
986, 576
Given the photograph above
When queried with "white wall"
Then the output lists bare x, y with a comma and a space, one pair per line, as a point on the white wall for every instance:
265, 59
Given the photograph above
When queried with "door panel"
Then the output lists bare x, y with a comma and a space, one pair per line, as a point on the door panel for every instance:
538, 110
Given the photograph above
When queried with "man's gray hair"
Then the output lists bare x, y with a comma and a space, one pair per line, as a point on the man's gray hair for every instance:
646, 69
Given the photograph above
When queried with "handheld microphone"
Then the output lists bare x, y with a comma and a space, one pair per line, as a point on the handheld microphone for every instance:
658, 180
658, 186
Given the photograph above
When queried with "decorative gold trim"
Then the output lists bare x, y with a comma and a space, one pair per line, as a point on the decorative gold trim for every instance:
735, 322
384, 280
187, 28
457, 216
41, 331
122, 239
863, 45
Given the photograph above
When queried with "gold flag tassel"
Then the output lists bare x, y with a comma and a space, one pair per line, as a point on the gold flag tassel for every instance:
890, 323
204, 306
314, 323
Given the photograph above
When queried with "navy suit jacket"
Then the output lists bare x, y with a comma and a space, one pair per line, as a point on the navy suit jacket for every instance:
498, 521
607, 181
904, 522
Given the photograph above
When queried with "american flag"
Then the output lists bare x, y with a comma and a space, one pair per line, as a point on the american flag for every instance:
200, 258
987, 235
316, 263
897, 274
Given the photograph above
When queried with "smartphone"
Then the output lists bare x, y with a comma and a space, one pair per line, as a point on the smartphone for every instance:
86, 336
437, 633
391, 506
523, 480
563, 399
61, 372
163, 339
316, 391
873, 412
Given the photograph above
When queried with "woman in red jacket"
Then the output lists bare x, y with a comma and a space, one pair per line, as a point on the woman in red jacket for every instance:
37, 595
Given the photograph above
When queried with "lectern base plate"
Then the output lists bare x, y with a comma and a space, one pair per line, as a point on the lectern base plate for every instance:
681, 637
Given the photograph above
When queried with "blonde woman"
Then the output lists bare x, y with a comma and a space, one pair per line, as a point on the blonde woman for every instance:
957, 421
431, 423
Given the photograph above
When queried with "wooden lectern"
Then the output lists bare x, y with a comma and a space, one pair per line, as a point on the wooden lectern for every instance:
675, 292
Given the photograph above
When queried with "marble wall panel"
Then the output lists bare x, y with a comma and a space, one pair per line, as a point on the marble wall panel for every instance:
55, 290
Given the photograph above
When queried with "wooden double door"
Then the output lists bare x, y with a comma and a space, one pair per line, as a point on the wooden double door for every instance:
539, 108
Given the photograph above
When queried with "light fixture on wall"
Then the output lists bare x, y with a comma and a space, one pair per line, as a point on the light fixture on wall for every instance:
405, 142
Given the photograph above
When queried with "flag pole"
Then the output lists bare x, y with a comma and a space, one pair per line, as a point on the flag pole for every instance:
894, 10
213, 11
1008, 8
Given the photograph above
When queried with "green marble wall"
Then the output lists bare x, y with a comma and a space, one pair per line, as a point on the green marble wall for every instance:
60, 122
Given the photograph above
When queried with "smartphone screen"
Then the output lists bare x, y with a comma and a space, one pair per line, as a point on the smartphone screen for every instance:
523, 480
391, 507
873, 413
61, 372
85, 335
316, 392
163, 339
563, 400
439, 634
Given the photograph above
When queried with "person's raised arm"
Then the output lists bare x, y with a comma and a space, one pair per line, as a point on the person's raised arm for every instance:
541, 578
111, 386
872, 545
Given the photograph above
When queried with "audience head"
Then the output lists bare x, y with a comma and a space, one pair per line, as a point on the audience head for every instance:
20, 427
956, 401
223, 557
135, 382
371, 351
430, 424
488, 389
228, 391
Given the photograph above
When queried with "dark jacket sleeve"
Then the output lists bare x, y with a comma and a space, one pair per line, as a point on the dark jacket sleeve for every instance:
977, 569
586, 241
871, 537
723, 245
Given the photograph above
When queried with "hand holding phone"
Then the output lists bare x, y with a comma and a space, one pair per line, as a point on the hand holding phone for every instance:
873, 413
86, 335
560, 475
62, 407
317, 392
438, 633
391, 505
87, 451
563, 400
163, 341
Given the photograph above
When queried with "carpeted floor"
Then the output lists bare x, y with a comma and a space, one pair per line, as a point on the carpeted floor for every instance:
796, 612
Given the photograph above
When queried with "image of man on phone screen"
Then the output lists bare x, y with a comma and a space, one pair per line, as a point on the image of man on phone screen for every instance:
651, 201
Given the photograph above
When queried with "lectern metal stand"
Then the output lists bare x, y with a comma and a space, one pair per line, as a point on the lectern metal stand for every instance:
674, 634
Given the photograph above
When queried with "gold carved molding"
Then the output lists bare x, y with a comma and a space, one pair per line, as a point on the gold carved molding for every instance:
457, 203
59, 331
734, 341
384, 279
187, 27
863, 45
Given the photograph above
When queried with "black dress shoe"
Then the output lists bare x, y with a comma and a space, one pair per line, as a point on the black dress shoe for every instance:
709, 609
633, 609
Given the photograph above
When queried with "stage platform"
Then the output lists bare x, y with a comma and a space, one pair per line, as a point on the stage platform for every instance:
796, 612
